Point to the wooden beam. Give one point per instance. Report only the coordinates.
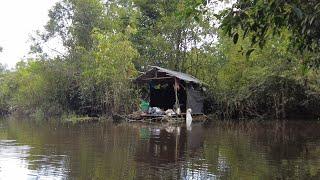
(157, 78)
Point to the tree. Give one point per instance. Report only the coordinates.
(260, 19)
(74, 20)
(164, 37)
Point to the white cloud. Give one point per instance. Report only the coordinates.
(18, 20)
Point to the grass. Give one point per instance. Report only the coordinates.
(74, 119)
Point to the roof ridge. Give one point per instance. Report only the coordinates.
(179, 74)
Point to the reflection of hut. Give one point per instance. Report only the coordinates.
(171, 155)
(171, 89)
(162, 146)
(161, 156)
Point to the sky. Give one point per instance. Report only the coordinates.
(18, 20)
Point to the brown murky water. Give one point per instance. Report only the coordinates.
(222, 150)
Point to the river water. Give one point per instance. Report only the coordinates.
(221, 150)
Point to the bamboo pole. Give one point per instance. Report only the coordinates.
(177, 105)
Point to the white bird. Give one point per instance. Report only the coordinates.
(188, 119)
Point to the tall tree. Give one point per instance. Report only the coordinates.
(163, 37)
(74, 20)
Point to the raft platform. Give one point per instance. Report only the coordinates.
(134, 117)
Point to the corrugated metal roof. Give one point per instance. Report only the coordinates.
(179, 75)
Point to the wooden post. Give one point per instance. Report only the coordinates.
(176, 93)
(177, 145)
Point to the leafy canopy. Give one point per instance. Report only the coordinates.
(260, 19)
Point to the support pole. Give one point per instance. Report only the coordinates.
(176, 86)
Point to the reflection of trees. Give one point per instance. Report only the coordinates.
(88, 151)
(108, 151)
(250, 150)
(294, 149)
(105, 152)
(26, 154)
(172, 154)
(266, 150)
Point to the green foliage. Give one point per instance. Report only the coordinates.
(107, 43)
(6, 89)
(164, 37)
(113, 70)
(39, 87)
(73, 21)
(261, 19)
(242, 84)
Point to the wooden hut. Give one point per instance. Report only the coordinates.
(171, 89)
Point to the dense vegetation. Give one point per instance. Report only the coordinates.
(247, 56)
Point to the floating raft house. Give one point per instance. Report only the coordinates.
(170, 89)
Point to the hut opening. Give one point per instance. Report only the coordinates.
(169, 89)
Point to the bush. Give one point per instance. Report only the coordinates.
(275, 97)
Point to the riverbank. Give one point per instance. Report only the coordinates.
(273, 98)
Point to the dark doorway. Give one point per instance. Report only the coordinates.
(162, 95)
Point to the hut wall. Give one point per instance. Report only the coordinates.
(195, 100)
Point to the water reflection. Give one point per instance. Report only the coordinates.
(224, 150)
(171, 149)
(16, 162)
(13, 160)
